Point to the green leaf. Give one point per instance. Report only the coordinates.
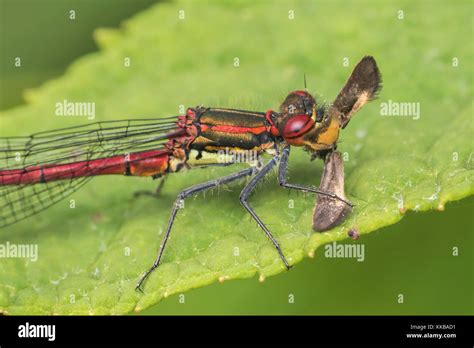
(90, 257)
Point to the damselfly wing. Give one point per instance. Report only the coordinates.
(40, 170)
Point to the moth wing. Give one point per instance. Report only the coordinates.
(361, 87)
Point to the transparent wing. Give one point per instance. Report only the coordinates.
(19, 202)
(74, 144)
(79, 143)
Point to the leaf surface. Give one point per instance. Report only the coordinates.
(90, 257)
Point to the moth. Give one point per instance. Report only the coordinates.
(361, 87)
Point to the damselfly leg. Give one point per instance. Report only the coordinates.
(177, 205)
(243, 200)
(282, 179)
(244, 195)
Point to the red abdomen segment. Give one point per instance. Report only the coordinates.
(147, 163)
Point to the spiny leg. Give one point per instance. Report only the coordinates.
(177, 205)
(162, 180)
(243, 200)
(285, 154)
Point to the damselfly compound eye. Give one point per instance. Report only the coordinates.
(297, 126)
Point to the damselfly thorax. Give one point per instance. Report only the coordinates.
(222, 137)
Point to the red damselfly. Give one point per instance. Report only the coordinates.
(39, 170)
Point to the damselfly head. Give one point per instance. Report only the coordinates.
(298, 102)
(302, 123)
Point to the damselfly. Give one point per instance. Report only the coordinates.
(40, 170)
